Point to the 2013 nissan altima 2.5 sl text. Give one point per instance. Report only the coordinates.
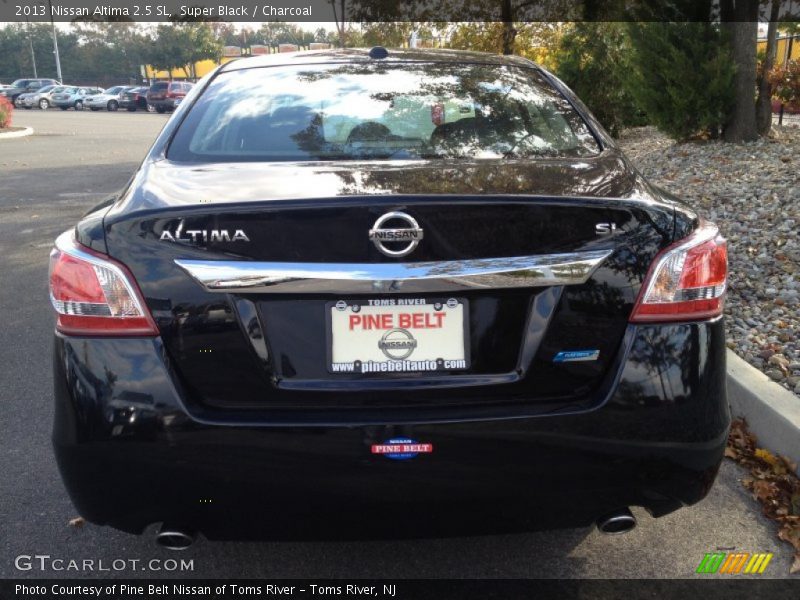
(371, 292)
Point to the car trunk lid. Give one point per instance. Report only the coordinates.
(528, 339)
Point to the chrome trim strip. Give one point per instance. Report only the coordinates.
(422, 277)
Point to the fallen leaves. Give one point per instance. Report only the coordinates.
(773, 483)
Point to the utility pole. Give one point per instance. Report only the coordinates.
(30, 43)
(55, 43)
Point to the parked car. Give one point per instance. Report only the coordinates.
(73, 97)
(108, 99)
(41, 98)
(372, 292)
(22, 86)
(134, 98)
(162, 94)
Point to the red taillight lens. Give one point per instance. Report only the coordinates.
(687, 280)
(95, 295)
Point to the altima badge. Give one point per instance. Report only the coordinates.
(192, 236)
(394, 235)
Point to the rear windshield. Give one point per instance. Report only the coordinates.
(157, 87)
(380, 111)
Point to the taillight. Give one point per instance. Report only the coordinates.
(95, 295)
(687, 281)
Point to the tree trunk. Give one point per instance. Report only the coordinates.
(339, 26)
(509, 32)
(342, 39)
(741, 126)
(764, 101)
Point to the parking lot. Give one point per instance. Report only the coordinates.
(73, 161)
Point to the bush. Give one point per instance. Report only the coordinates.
(785, 81)
(6, 108)
(591, 59)
(681, 75)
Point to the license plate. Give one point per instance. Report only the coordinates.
(397, 335)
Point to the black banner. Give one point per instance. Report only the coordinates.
(257, 11)
(463, 589)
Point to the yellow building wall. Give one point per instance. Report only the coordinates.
(782, 46)
(203, 67)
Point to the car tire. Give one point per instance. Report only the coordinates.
(113, 105)
(79, 105)
(151, 108)
(161, 110)
(44, 104)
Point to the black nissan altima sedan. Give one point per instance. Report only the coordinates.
(371, 292)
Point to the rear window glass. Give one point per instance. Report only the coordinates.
(380, 111)
(157, 87)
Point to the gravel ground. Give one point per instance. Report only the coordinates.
(752, 191)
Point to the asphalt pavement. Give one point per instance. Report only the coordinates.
(47, 181)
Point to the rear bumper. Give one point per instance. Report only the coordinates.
(168, 103)
(131, 453)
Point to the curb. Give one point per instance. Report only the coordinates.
(772, 412)
(17, 134)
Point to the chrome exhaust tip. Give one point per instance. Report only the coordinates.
(621, 521)
(173, 538)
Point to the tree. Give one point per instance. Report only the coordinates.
(389, 34)
(681, 76)
(15, 51)
(785, 81)
(168, 50)
(592, 58)
(740, 18)
(764, 101)
(324, 36)
(203, 45)
(181, 45)
(339, 18)
(537, 41)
